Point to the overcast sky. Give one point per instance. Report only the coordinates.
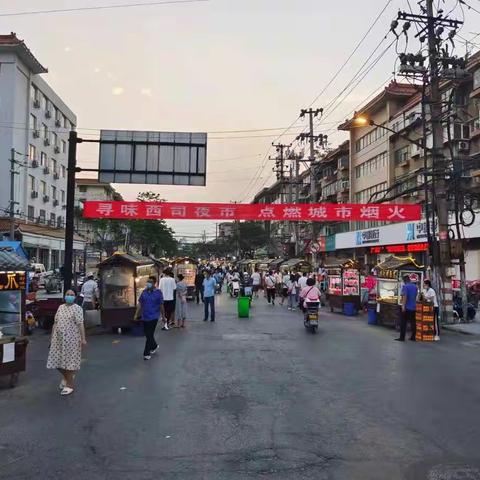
(211, 66)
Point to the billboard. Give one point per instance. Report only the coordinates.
(257, 211)
(157, 158)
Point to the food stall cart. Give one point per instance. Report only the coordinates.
(122, 280)
(275, 264)
(188, 268)
(390, 275)
(344, 285)
(13, 284)
(296, 265)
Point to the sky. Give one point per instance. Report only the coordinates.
(213, 66)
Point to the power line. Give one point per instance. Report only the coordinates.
(98, 7)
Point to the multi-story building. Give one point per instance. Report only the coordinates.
(90, 189)
(35, 122)
(226, 230)
(371, 172)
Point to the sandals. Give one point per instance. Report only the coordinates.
(66, 391)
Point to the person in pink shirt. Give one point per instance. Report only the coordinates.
(309, 293)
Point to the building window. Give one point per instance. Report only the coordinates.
(54, 192)
(53, 139)
(34, 93)
(43, 187)
(371, 166)
(371, 137)
(45, 131)
(54, 166)
(82, 188)
(31, 213)
(33, 122)
(65, 123)
(52, 219)
(42, 216)
(43, 159)
(63, 197)
(476, 79)
(44, 102)
(32, 152)
(364, 195)
(64, 171)
(64, 146)
(59, 222)
(402, 155)
(32, 183)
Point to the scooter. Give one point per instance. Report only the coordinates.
(310, 319)
(234, 288)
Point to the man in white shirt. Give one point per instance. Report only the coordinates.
(89, 293)
(256, 281)
(430, 295)
(270, 284)
(302, 281)
(168, 286)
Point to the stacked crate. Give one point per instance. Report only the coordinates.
(425, 319)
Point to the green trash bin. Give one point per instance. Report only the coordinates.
(243, 304)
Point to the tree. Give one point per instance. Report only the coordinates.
(250, 236)
(152, 236)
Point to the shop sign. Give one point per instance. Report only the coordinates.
(405, 248)
(330, 243)
(13, 281)
(367, 236)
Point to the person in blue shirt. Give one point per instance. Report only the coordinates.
(209, 295)
(409, 304)
(150, 308)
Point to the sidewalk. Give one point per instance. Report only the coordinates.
(465, 328)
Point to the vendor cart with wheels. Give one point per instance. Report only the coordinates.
(13, 354)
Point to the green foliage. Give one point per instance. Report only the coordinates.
(250, 236)
(152, 236)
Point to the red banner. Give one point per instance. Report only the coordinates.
(321, 212)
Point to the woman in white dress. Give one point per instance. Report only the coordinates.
(68, 339)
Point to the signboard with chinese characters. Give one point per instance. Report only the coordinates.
(261, 212)
(13, 280)
(404, 248)
(368, 236)
(158, 158)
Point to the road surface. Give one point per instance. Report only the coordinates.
(256, 398)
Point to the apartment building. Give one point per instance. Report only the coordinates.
(90, 189)
(371, 172)
(35, 122)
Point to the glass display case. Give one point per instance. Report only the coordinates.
(11, 321)
(344, 285)
(123, 278)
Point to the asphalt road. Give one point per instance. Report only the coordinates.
(256, 398)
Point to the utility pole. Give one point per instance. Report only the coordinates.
(12, 194)
(431, 30)
(313, 139)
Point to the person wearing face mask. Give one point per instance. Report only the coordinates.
(68, 339)
(150, 309)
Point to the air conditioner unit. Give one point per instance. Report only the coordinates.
(404, 163)
(414, 193)
(34, 163)
(36, 134)
(464, 146)
(416, 150)
(55, 203)
(56, 149)
(48, 114)
(46, 142)
(58, 123)
(56, 176)
(46, 198)
(46, 170)
(36, 103)
(34, 194)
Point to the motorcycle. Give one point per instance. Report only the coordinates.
(234, 288)
(310, 319)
